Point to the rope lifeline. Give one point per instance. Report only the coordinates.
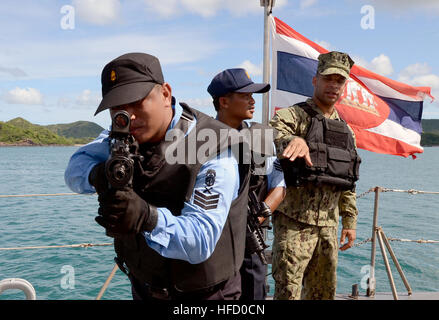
(410, 191)
(396, 239)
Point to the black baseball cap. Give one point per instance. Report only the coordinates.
(129, 78)
(234, 80)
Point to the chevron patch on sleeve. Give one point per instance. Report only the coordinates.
(207, 202)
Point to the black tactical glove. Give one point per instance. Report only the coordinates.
(98, 179)
(122, 211)
(264, 210)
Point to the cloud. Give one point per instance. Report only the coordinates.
(64, 102)
(420, 75)
(381, 64)
(428, 80)
(88, 98)
(414, 70)
(15, 72)
(199, 102)
(205, 8)
(163, 8)
(359, 61)
(431, 6)
(28, 96)
(307, 3)
(99, 12)
(251, 68)
(66, 56)
(325, 45)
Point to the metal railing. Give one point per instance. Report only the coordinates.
(377, 233)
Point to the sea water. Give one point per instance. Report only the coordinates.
(79, 273)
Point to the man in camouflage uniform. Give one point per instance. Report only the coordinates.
(305, 248)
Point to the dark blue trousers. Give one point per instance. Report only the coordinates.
(253, 278)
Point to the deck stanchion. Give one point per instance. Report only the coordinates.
(386, 262)
(397, 265)
(372, 281)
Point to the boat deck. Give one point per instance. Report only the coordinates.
(386, 296)
(389, 296)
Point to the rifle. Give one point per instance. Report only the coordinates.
(119, 167)
(255, 236)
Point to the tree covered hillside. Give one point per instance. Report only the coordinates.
(19, 131)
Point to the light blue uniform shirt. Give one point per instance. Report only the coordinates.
(191, 236)
(275, 175)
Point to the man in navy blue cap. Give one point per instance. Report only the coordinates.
(232, 91)
(178, 229)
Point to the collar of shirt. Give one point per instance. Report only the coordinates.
(240, 126)
(178, 111)
(313, 105)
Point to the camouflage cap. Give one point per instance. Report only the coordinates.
(335, 62)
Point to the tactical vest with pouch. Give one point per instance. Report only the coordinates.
(171, 185)
(332, 152)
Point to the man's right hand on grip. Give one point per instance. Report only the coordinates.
(98, 178)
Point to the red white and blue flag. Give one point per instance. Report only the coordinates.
(384, 114)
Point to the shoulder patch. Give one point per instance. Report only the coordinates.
(210, 177)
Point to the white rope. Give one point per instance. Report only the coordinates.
(397, 239)
(411, 191)
(364, 193)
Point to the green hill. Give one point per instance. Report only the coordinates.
(430, 125)
(430, 132)
(19, 131)
(82, 130)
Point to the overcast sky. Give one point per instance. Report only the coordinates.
(51, 60)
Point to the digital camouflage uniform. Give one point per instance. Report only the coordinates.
(305, 246)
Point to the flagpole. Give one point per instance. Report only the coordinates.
(268, 6)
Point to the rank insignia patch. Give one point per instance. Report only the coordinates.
(206, 202)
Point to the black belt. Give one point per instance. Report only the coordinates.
(146, 291)
(155, 293)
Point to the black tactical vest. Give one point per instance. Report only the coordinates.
(170, 185)
(261, 148)
(332, 151)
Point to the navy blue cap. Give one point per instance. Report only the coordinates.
(129, 78)
(234, 80)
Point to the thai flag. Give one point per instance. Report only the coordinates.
(384, 114)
